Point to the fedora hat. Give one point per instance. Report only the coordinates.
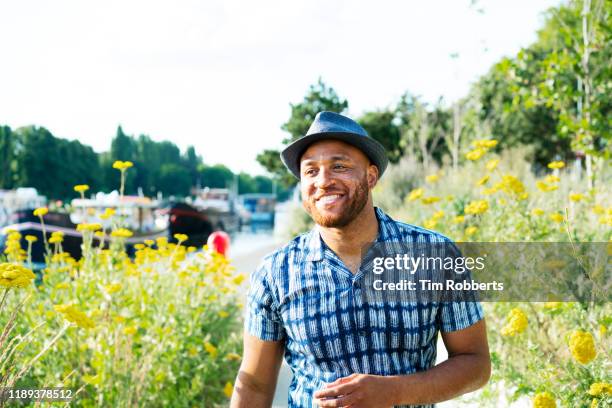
(331, 125)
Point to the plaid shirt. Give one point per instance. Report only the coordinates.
(304, 294)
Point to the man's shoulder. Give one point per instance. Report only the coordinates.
(292, 251)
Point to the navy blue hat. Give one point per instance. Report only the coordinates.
(331, 125)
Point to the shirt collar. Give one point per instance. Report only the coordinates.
(314, 242)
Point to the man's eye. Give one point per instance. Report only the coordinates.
(339, 166)
(310, 172)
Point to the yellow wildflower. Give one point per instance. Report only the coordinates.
(62, 285)
(544, 400)
(74, 315)
(233, 357)
(81, 188)
(31, 238)
(112, 288)
(552, 305)
(542, 186)
(430, 223)
(537, 212)
(484, 143)
(602, 330)
(492, 164)
(556, 165)
(598, 209)
(40, 212)
(122, 165)
(582, 346)
(557, 217)
(458, 219)
(432, 178)
(477, 207)
(471, 230)
(415, 194)
(223, 314)
(149, 242)
(576, 197)
(552, 179)
(512, 184)
(517, 323)
(130, 330)
(430, 200)
(600, 389)
(238, 279)
(122, 233)
(437, 215)
(89, 227)
(181, 237)
(594, 403)
(211, 349)
(475, 154)
(15, 276)
(228, 389)
(483, 180)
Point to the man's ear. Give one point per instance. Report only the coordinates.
(372, 176)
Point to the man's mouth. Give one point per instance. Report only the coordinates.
(329, 199)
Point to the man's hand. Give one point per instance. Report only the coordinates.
(356, 391)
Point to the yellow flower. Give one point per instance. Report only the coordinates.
(556, 165)
(477, 207)
(459, 219)
(598, 209)
(122, 233)
(228, 389)
(492, 164)
(517, 323)
(112, 288)
(471, 230)
(238, 279)
(552, 179)
(15, 276)
(537, 212)
(582, 346)
(600, 389)
(437, 215)
(542, 186)
(31, 238)
(81, 188)
(89, 227)
(40, 212)
(149, 242)
(512, 184)
(415, 194)
(430, 224)
(56, 239)
(432, 178)
(594, 403)
(74, 315)
(602, 330)
(62, 285)
(211, 349)
(233, 357)
(544, 400)
(483, 180)
(181, 237)
(475, 154)
(576, 197)
(130, 330)
(223, 314)
(484, 143)
(556, 217)
(122, 165)
(430, 200)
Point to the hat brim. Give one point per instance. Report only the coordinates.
(291, 155)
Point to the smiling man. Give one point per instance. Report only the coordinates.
(306, 300)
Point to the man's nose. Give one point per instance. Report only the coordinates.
(324, 179)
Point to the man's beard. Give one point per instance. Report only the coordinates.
(349, 213)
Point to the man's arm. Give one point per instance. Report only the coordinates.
(468, 368)
(258, 373)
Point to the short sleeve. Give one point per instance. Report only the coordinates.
(463, 312)
(263, 318)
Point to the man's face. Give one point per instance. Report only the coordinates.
(336, 179)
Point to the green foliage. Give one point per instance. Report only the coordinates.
(381, 126)
(319, 98)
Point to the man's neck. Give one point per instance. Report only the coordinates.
(349, 241)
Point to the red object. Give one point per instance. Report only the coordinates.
(219, 241)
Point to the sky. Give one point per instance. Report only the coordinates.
(220, 75)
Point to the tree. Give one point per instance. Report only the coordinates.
(174, 179)
(217, 176)
(8, 145)
(319, 98)
(381, 126)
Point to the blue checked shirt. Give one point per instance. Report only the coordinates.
(304, 295)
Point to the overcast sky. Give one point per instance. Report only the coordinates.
(219, 75)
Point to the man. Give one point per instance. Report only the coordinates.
(306, 299)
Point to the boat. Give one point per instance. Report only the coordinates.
(140, 215)
(261, 208)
